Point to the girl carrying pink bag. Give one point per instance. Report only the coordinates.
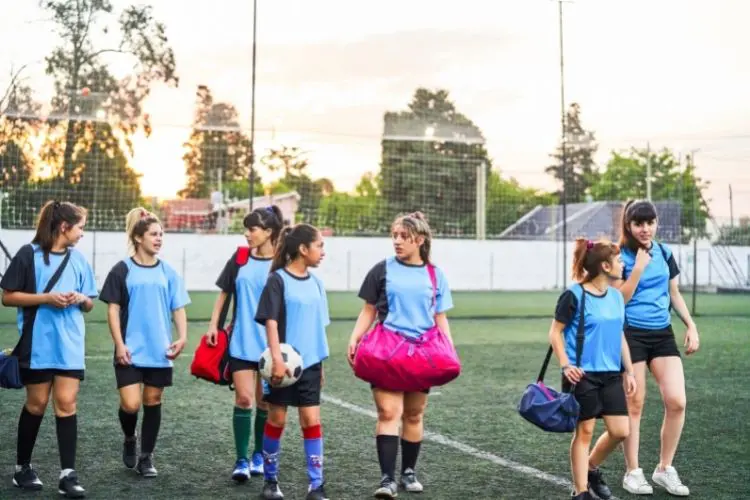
(410, 349)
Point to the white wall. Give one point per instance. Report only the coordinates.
(469, 264)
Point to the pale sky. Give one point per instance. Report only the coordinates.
(661, 72)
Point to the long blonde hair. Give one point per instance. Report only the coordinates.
(136, 224)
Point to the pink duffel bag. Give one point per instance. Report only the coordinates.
(395, 362)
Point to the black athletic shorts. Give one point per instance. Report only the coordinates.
(305, 392)
(30, 376)
(237, 365)
(599, 394)
(154, 377)
(426, 391)
(645, 345)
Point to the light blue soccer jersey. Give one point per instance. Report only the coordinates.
(649, 307)
(147, 295)
(248, 336)
(57, 336)
(403, 296)
(300, 307)
(604, 319)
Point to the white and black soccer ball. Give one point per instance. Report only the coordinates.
(293, 361)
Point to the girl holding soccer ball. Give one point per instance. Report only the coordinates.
(294, 310)
(52, 285)
(262, 229)
(398, 292)
(144, 294)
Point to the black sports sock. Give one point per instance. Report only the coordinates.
(387, 453)
(409, 454)
(67, 440)
(150, 428)
(28, 430)
(128, 421)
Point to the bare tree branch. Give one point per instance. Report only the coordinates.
(11, 86)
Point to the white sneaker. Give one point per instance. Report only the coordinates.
(670, 481)
(635, 482)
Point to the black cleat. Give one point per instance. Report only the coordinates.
(26, 479)
(145, 466)
(69, 487)
(388, 488)
(318, 493)
(271, 490)
(129, 455)
(597, 486)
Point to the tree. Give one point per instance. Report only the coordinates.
(289, 160)
(354, 214)
(217, 148)
(429, 161)
(736, 235)
(508, 201)
(580, 147)
(90, 35)
(625, 177)
(293, 163)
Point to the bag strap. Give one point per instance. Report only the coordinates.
(580, 334)
(433, 280)
(56, 277)
(242, 256)
(50, 285)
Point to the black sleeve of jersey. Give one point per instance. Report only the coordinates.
(271, 301)
(114, 289)
(19, 276)
(566, 307)
(674, 269)
(373, 287)
(225, 282)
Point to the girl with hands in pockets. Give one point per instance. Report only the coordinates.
(596, 380)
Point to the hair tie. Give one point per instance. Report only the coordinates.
(55, 204)
(589, 244)
(144, 214)
(269, 210)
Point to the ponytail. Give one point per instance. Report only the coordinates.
(281, 254)
(588, 257)
(137, 223)
(51, 218)
(416, 225)
(290, 240)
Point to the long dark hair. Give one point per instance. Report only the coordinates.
(266, 218)
(51, 218)
(637, 211)
(290, 239)
(588, 257)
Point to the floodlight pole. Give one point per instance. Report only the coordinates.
(564, 149)
(251, 174)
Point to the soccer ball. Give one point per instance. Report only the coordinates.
(292, 359)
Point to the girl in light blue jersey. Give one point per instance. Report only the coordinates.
(596, 379)
(651, 289)
(294, 309)
(398, 292)
(262, 229)
(51, 346)
(144, 294)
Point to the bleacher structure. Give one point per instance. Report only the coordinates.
(597, 219)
